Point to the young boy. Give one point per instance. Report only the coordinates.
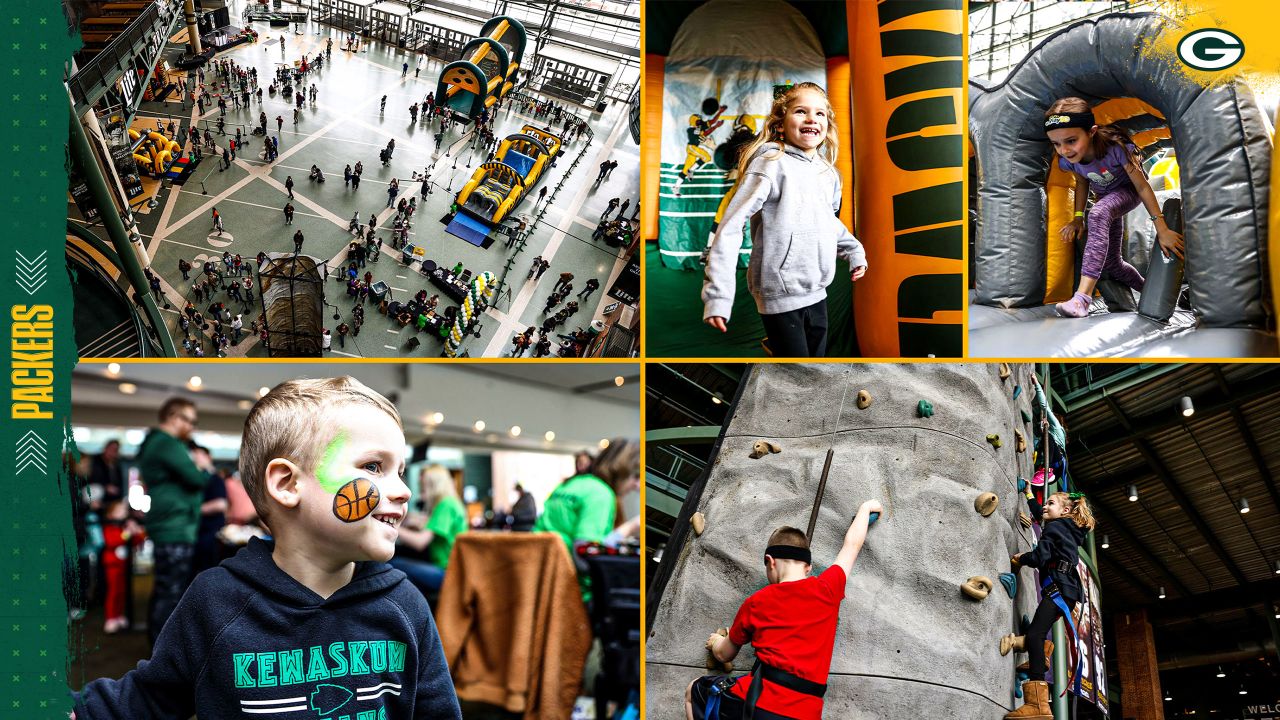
(791, 622)
(314, 624)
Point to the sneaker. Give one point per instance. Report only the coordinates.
(1077, 306)
(111, 626)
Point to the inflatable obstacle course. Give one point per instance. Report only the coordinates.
(497, 186)
(154, 152)
(1209, 147)
(486, 70)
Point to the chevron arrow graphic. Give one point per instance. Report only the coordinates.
(32, 273)
(31, 452)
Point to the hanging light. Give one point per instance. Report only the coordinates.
(1243, 691)
(1278, 567)
(1106, 542)
(479, 426)
(1187, 408)
(113, 369)
(1243, 505)
(1161, 592)
(515, 431)
(1221, 674)
(549, 435)
(1133, 493)
(1168, 696)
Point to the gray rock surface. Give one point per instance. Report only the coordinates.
(909, 643)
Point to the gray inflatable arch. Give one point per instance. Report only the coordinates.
(1224, 157)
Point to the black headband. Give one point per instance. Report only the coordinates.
(1060, 120)
(789, 552)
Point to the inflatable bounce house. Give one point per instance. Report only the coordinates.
(894, 73)
(926, 606)
(1208, 154)
(498, 185)
(486, 70)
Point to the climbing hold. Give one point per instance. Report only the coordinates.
(864, 399)
(1019, 441)
(773, 446)
(977, 587)
(1022, 484)
(1017, 390)
(1026, 416)
(1017, 686)
(1010, 583)
(924, 409)
(1025, 666)
(1025, 520)
(698, 522)
(872, 518)
(759, 449)
(994, 439)
(986, 503)
(1004, 371)
(1017, 643)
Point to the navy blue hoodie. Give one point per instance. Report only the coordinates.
(248, 640)
(1058, 552)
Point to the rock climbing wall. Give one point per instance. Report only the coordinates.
(909, 642)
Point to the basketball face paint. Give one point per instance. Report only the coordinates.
(353, 500)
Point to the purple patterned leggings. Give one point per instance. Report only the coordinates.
(1106, 230)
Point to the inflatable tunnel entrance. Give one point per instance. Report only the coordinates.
(1223, 150)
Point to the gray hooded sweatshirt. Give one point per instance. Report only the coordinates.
(791, 200)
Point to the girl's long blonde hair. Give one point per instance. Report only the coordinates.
(1080, 512)
(437, 483)
(828, 150)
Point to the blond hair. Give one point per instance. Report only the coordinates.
(295, 421)
(828, 149)
(1079, 509)
(787, 535)
(437, 483)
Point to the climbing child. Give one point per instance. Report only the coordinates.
(1104, 160)
(1065, 521)
(791, 623)
(789, 192)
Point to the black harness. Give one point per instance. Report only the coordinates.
(761, 672)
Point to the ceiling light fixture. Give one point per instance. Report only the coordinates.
(1187, 408)
(113, 369)
(515, 431)
(618, 381)
(479, 426)
(549, 435)
(1106, 542)
(1243, 505)
(1133, 493)
(1161, 592)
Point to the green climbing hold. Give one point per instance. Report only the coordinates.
(994, 439)
(924, 409)
(1017, 390)
(1026, 416)
(1022, 484)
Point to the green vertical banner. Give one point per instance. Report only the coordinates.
(37, 540)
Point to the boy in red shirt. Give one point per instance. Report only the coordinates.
(791, 623)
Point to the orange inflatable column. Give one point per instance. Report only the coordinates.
(651, 145)
(838, 91)
(909, 133)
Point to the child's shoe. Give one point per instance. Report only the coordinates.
(1036, 705)
(1077, 306)
(111, 626)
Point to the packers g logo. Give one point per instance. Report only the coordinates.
(1210, 49)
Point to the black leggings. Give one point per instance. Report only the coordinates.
(1046, 614)
(798, 333)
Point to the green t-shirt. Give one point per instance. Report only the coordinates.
(448, 518)
(582, 508)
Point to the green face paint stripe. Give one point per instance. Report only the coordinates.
(329, 471)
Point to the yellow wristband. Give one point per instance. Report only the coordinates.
(1079, 213)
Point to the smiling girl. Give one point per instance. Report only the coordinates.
(789, 191)
(1104, 160)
